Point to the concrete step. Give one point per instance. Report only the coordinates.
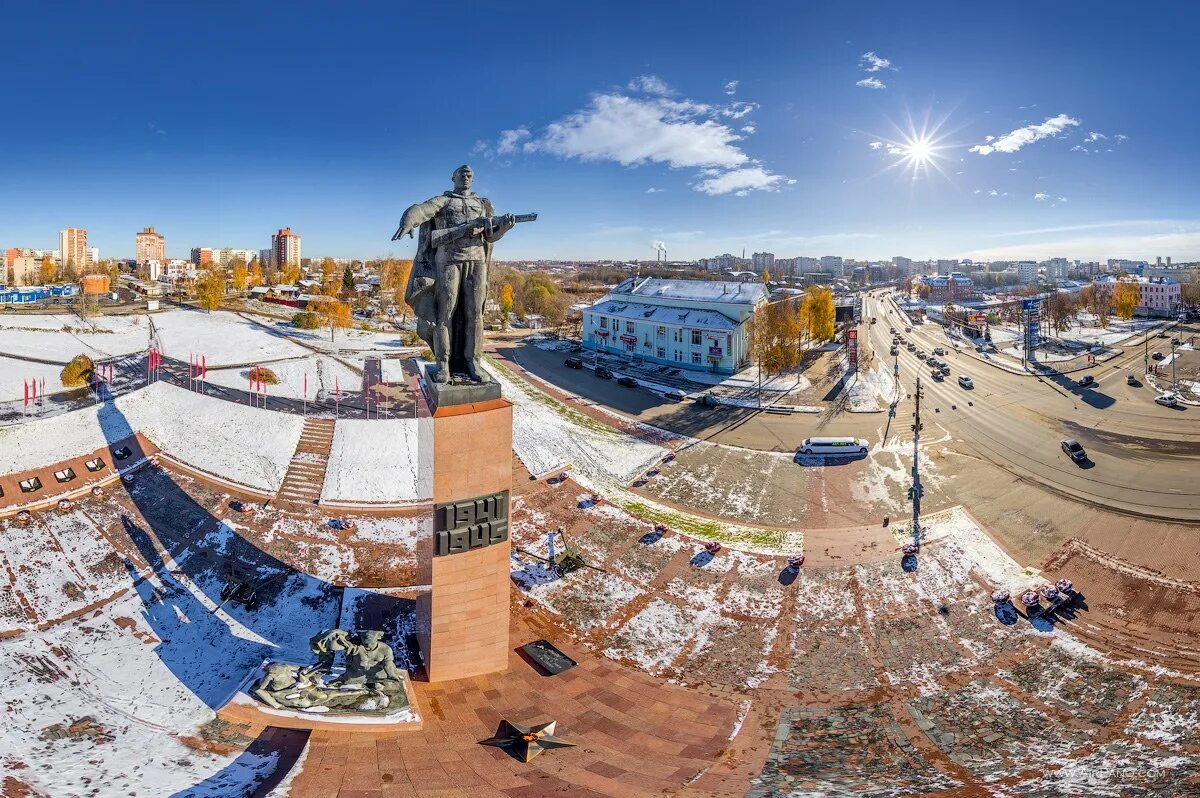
(305, 476)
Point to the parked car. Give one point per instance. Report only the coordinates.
(573, 363)
(674, 395)
(627, 381)
(1162, 334)
(1087, 380)
(1074, 450)
(1131, 380)
(939, 351)
(604, 373)
(965, 382)
(908, 329)
(1167, 399)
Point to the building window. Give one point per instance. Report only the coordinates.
(695, 358)
(662, 331)
(660, 353)
(678, 335)
(604, 322)
(678, 356)
(629, 328)
(696, 338)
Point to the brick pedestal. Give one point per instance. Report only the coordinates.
(466, 450)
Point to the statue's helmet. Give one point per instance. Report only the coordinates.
(465, 168)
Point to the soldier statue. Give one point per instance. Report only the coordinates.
(449, 279)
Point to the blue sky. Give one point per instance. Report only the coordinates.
(622, 125)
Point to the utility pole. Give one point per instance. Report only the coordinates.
(916, 491)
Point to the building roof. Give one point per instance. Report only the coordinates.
(658, 314)
(748, 293)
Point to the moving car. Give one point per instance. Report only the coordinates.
(627, 381)
(1167, 399)
(912, 347)
(895, 350)
(573, 363)
(1131, 380)
(939, 351)
(834, 446)
(1156, 356)
(965, 382)
(1086, 380)
(908, 329)
(604, 373)
(1074, 450)
(921, 355)
(674, 395)
(937, 375)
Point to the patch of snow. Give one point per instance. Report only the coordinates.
(375, 461)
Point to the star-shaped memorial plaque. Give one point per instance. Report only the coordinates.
(526, 742)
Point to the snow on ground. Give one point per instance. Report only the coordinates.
(871, 390)
(375, 461)
(955, 525)
(548, 434)
(322, 372)
(222, 337)
(393, 369)
(60, 338)
(657, 634)
(252, 447)
(14, 373)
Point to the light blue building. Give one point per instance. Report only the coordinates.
(692, 324)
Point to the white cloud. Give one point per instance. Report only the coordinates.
(993, 193)
(1080, 148)
(1016, 139)
(871, 83)
(653, 190)
(976, 191)
(731, 87)
(872, 62)
(1062, 199)
(1094, 136)
(989, 138)
(742, 181)
(896, 149)
(509, 139)
(1121, 137)
(1041, 196)
(875, 145)
(680, 133)
(650, 84)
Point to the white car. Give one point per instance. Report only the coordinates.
(965, 382)
(1167, 399)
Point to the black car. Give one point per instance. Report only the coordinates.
(604, 373)
(1074, 450)
(627, 381)
(573, 363)
(1156, 356)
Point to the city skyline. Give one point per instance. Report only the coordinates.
(1053, 139)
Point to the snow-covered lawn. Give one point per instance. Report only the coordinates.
(13, 373)
(871, 390)
(322, 372)
(222, 337)
(375, 461)
(60, 338)
(548, 434)
(393, 369)
(249, 446)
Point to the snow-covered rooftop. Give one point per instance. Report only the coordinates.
(660, 314)
(748, 293)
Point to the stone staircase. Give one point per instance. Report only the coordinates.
(306, 472)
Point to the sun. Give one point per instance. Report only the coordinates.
(916, 150)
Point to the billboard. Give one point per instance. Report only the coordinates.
(852, 348)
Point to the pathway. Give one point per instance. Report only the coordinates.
(306, 473)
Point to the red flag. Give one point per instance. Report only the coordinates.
(43, 386)
(337, 388)
(306, 385)
(27, 394)
(204, 366)
(34, 393)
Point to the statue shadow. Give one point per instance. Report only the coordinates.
(258, 770)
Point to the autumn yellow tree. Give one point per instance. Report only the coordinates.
(256, 275)
(291, 273)
(327, 269)
(333, 312)
(507, 302)
(210, 289)
(47, 270)
(818, 309)
(1125, 298)
(776, 335)
(766, 276)
(240, 275)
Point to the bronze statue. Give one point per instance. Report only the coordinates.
(449, 279)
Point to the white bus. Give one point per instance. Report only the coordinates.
(846, 446)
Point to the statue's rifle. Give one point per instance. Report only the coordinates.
(484, 225)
